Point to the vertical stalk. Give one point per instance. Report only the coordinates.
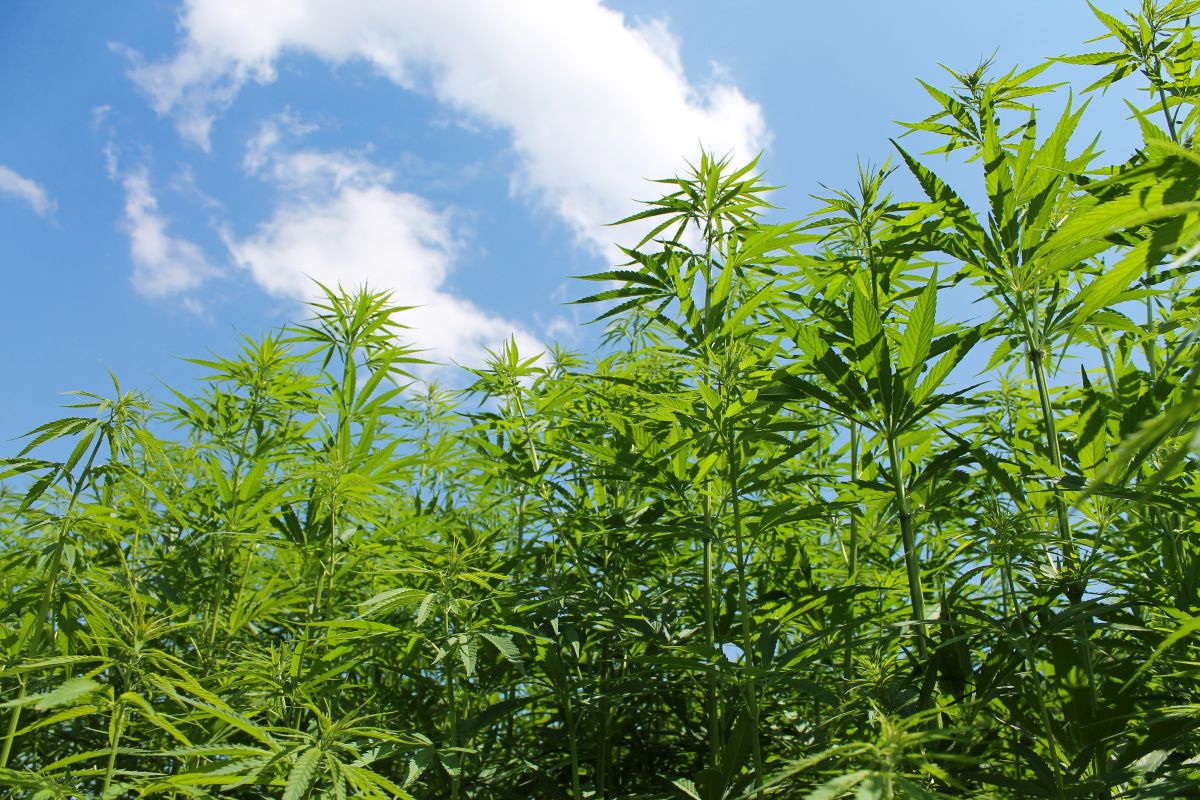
(116, 726)
(1036, 358)
(1150, 345)
(452, 701)
(710, 636)
(1026, 651)
(1074, 586)
(14, 719)
(543, 490)
(1162, 99)
(326, 561)
(751, 690)
(1034, 349)
(852, 556)
(601, 779)
(1108, 367)
(243, 579)
(331, 561)
(572, 744)
(911, 561)
(215, 602)
(514, 545)
(317, 608)
(343, 444)
(231, 518)
(518, 539)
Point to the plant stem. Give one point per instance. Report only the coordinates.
(911, 559)
(751, 691)
(1074, 585)
(852, 556)
(1150, 345)
(710, 638)
(1074, 590)
(14, 719)
(1027, 653)
(1108, 368)
(452, 702)
(572, 743)
(602, 728)
(116, 727)
(231, 520)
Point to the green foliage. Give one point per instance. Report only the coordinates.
(770, 541)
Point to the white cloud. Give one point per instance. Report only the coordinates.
(340, 223)
(163, 264)
(306, 169)
(592, 103)
(559, 328)
(100, 115)
(28, 190)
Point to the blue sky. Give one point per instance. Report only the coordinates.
(170, 173)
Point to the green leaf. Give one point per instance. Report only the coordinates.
(1105, 290)
(918, 333)
(944, 365)
(1120, 32)
(425, 607)
(957, 212)
(505, 645)
(836, 787)
(70, 691)
(304, 770)
(1093, 59)
(388, 601)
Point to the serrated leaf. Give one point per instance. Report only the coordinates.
(304, 770)
(388, 601)
(505, 645)
(70, 691)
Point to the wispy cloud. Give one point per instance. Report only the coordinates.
(269, 156)
(592, 103)
(28, 190)
(339, 221)
(163, 264)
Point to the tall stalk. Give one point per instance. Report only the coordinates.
(1075, 584)
(452, 703)
(604, 712)
(1036, 353)
(572, 743)
(711, 700)
(116, 727)
(852, 555)
(231, 516)
(750, 686)
(912, 562)
(1009, 592)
